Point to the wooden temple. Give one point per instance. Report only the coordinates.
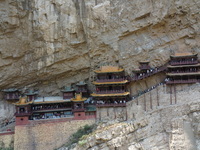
(183, 68)
(144, 65)
(32, 107)
(143, 71)
(68, 92)
(31, 95)
(11, 94)
(82, 88)
(110, 87)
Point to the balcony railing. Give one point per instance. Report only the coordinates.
(46, 109)
(23, 114)
(149, 73)
(11, 97)
(111, 105)
(78, 109)
(110, 80)
(182, 81)
(110, 91)
(183, 62)
(52, 109)
(186, 71)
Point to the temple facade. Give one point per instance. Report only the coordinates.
(110, 87)
(71, 105)
(183, 68)
(11, 94)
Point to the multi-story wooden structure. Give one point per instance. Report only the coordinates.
(33, 107)
(82, 88)
(183, 68)
(31, 95)
(68, 92)
(11, 94)
(110, 87)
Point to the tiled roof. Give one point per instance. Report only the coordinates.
(114, 94)
(117, 82)
(106, 69)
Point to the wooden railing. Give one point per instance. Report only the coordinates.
(78, 109)
(111, 105)
(148, 90)
(183, 62)
(50, 109)
(150, 73)
(110, 91)
(182, 81)
(23, 114)
(188, 71)
(11, 97)
(110, 80)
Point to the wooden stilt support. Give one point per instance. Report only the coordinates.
(107, 112)
(114, 112)
(137, 101)
(145, 103)
(175, 93)
(158, 104)
(170, 94)
(151, 101)
(99, 114)
(126, 114)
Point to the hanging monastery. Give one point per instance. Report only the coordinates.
(110, 91)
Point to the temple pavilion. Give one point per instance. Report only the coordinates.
(183, 68)
(110, 87)
(32, 107)
(11, 94)
(82, 88)
(143, 71)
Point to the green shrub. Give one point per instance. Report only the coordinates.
(80, 133)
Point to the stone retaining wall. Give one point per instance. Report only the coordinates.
(46, 135)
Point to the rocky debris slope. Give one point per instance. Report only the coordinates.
(48, 43)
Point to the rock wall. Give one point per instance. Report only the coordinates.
(7, 111)
(47, 44)
(169, 127)
(112, 113)
(45, 135)
(6, 140)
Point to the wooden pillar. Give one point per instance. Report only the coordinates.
(150, 100)
(99, 114)
(170, 94)
(126, 114)
(175, 93)
(158, 104)
(145, 102)
(114, 112)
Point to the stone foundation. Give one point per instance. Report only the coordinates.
(46, 134)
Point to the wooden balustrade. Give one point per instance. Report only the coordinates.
(110, 80)
(110, 91)
(183, 62)
(111, 105)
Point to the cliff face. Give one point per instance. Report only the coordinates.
(50, 43)
(166, 127)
